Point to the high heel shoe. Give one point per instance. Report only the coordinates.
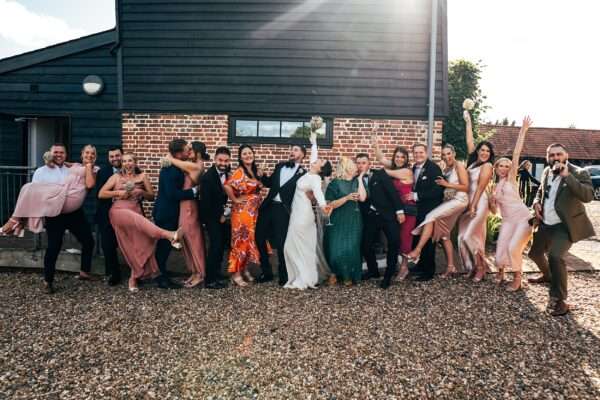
(412, 260)
(403, 274)
(176, 241)
(479, 275)
(248, 276)
(500, 277)
(239, 281)
(511, 287)
(132, 285)
(10, 227)
(450, 272)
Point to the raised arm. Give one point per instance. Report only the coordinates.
(192, 169)
(469, 132)
(512, 175)
(400, 174)
(386, 162)
(314, 151)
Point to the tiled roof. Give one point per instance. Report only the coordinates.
(581, 144)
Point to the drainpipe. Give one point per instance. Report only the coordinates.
(117, 48)
(432, 68)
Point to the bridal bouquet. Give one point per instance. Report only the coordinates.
(316, 123)
(468, 104)
(129, 186)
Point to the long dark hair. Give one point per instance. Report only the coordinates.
(474, 155)
(399, 149)
(326, 170)
(241, 163)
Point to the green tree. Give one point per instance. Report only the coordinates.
(463, 83)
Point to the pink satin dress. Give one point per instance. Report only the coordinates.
(136, 235)
(39, 199)
(445, 216)
(193, 239)
(410, 221)
(515, 230)
(472, 230)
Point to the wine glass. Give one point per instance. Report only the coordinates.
(327, 217)
(356, 208)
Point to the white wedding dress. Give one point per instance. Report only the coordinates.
(300, 248)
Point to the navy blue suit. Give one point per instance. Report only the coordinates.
(166, 209)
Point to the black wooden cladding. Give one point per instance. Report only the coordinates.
(94, 119)
(281, 57)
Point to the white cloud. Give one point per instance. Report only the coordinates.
(28, 30)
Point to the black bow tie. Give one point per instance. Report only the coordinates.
(290, 164)
(221, 174)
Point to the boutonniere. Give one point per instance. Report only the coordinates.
(300, 171)
(423, 177)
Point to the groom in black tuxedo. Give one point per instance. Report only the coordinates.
(428, 196)
(274, 213)
(107, 233)
(166, 207)
(212, 214)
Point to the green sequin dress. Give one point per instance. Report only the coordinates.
(342, 239)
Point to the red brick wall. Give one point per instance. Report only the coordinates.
(148, 135)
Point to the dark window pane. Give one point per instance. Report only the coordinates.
(292, 129)
(245, 128)
(268, 128)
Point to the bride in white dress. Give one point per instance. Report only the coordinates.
(301, 241)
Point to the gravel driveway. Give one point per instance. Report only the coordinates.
(442, 339)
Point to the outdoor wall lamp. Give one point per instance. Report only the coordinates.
(93, 85)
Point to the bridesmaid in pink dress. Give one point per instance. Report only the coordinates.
(398, 169)
(472, 225)
(193, 240)
(41, 199)
(136, 235)
(515, 230)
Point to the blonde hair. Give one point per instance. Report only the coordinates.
(344, 165)
(89, 146)
(128, 153)
(501, 159)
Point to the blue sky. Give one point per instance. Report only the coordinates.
(542, 55)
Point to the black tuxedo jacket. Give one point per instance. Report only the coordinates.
(212, 196)
(286, 192)
(170, 193)
(103, 205)
(382, 195)
(430, 194)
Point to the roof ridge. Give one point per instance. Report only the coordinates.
(57, 50)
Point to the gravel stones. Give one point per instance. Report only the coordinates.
(440, 339)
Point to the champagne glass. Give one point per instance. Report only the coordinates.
(327, 217)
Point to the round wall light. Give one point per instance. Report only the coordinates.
(93, 85)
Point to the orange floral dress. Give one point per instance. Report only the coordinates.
(243, 221)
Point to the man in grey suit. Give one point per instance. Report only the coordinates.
(559, 207)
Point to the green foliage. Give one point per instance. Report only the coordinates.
(463, 83)
(493, 229)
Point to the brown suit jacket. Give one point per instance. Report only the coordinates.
(574, 190)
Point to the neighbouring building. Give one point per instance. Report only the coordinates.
(229, 73)
(583, 145)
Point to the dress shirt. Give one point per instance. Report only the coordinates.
(46, 174)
